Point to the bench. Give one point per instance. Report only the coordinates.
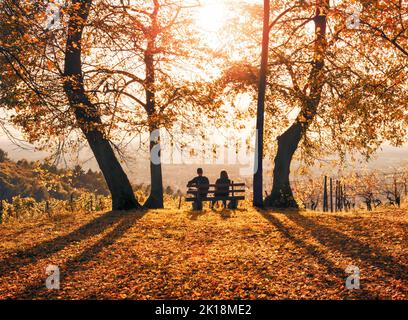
(236, 192)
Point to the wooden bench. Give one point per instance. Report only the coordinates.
(236, 192)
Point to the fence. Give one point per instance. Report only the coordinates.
(346, 193)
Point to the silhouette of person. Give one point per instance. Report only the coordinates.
(198, 181)
(222, 188)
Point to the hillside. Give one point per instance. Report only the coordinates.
(41, 181)
(244, 254)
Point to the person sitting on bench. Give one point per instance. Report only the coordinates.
(222, 188)
(200, 180)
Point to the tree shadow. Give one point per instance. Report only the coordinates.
(27, 229)
(310, 249)
(77, 263)
(49, 247)
(351, 247)
(314, 252)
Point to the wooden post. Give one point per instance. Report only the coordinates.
(336, 198)
(1, 211)
(325, 207)
(331, 194)
(179, 205)
(97, 208)
(344, 198)
(47, 207)
(71, 201)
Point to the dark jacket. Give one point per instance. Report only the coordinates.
(197, 181)
(222, 187)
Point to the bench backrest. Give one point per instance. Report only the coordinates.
(233, 188)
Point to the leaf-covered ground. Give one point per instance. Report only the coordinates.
(172, 254)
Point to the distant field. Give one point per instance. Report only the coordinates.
(242, 254)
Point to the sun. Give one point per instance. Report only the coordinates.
(210, 19)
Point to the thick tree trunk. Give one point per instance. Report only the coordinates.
(118, 183)
(87, 115)
(281, 195)
(155, 200)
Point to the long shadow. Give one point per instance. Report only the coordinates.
(49, 247)
(351, 247)
(316, 254)
(358, 224)
(310, 249)
(76, 264)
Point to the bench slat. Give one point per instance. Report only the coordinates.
(221, 185)
(216, 198)
(214, 191)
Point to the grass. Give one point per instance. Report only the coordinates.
(180, 254)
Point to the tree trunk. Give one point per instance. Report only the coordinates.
(281, 195)
(258, 174)
(331, 194)
(87, 115)
(155, 200)
(325, 202)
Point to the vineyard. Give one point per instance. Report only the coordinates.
(355, 191)
(20, 208)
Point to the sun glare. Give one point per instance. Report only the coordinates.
(210, 19)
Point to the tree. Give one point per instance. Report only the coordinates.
(149, 85)
(327, 92)
(43, 81)
(258, 179)
(281, 194)
(386, 21)
(87, 114)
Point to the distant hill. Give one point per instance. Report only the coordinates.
(42, 181)
(176, 175)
